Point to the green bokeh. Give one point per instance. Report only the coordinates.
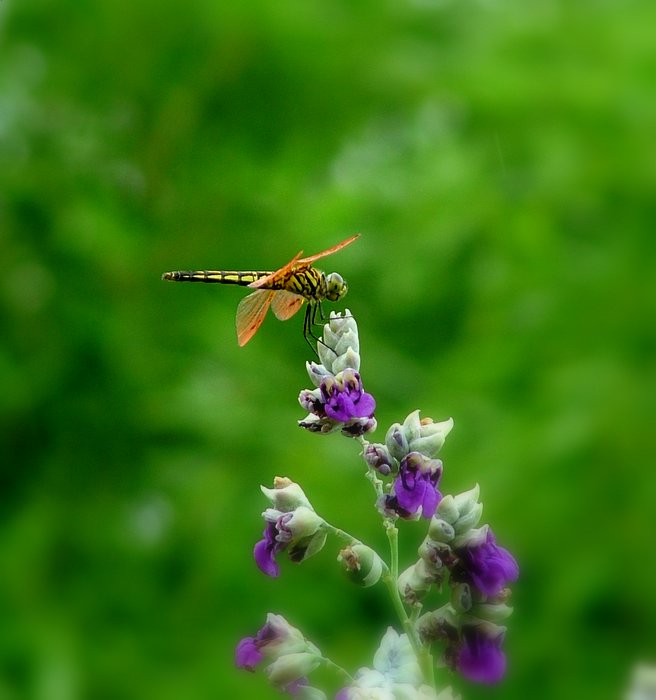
(498, 158)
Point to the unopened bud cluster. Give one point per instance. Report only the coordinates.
(338, 401)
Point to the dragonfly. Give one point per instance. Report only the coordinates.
(284, 290)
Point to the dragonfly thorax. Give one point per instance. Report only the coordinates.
(336, 286)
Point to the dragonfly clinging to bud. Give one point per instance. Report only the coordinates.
(284, 290)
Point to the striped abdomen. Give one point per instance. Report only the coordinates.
(242, 278)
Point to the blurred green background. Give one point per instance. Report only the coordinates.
(499, 160)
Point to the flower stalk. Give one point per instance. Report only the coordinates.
(457, 559)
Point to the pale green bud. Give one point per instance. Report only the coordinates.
(317, 373)
(283, 638)
(348, 341)
(466, 500)
(414, 583)
(440, 531)
(461, 597)
(286, 495)
(468, 521)
(307, 692)
(472, 538)
(396, 441)
(349, 359)
(492, 612)
(431, 436)
(362, 564)
(447, 510)
(326, 354)
(304, 522)
(412, 426)
(439, 624)
(290, 667)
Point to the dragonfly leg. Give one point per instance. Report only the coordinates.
(308, 322)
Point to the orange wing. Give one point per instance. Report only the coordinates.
(251, 312)
(278, 273)
(330, 251)
(298, 263)
(285, 304)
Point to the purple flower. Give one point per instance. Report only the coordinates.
(378, 457)
(276, 635)
(248, 655)
(480, 658)
(345, 399)
(299, 531)
(265, 551)
(292, 657)
(486, 566)
(415, 489)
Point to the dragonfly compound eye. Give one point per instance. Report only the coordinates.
(336, 287)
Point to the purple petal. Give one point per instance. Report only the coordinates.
(340, 408)
(481, 659)
(247, 654)
(489, 567)
(432, 497)
(366, 405)
(414, 491)
(265, 552)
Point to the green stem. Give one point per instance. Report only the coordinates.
(422, 653)
(338, 670)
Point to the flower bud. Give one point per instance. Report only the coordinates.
(440, 624)
(304, 522)
(447, 510)
(415, 582)
(492, 612)
(317, 373)
(286, 495)
(359, 426)
(290, 667)
(315, 424)
(307, 692)
(396, 441)
(348, 340)
(472, 538)
(310, 400)
(461, 597)
(326, 354)
(362, 565)
(349, 359)
(412, 425)
(439, 530)
(469, 520)
(378, 457)
(435, 554)
(430, 436)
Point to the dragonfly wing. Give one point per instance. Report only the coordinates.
(323, 253)
(250, 314)
(286, 304)
(283, 271)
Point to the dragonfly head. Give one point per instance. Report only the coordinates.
(336, 286)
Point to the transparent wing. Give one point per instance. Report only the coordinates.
(250, 314)
(278, 274)
(323, 253)
(286, 304)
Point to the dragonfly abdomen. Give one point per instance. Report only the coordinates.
(239, 277)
